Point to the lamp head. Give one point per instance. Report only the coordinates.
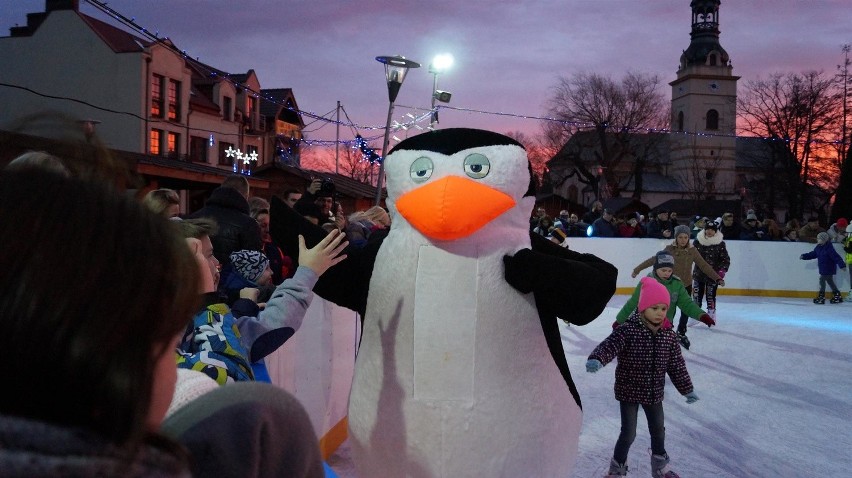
(396, 68)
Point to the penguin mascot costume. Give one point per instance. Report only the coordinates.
(461, 371)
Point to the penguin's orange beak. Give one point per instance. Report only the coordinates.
(452, 207)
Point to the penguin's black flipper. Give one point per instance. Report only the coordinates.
(565, 284)
(348, 282)
(574, 286)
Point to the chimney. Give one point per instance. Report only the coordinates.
(51, 5)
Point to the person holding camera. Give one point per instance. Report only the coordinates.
(317, 204)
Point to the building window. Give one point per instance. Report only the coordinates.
(174, 100)
(157, 96)
(224, 160)
(712, 120)
(680, 120)
(156, 142)
(172, 144)
(227, 106)
(252, 107)
(198, 149)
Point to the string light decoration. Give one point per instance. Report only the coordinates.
(408, 121)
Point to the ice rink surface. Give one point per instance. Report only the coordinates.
(774, 379)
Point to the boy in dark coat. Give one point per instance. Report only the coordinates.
(828, 260)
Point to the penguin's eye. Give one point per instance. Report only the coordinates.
(421, 169)
(476, 166)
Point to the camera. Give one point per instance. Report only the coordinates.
(327, 188)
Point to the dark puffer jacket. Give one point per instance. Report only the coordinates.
(237, 230)
(644, 358)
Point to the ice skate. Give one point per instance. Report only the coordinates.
(660, 467)
(684, 341)
(837, 298)
(616, 469)
(820, 298)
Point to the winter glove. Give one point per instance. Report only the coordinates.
(721, 273)
(706, 319)
(802, 257)
(615, 325)
(593, 365)
(691, 397)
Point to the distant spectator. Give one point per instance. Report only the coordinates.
(545, 224)
(791, 235)
(660, 227)
(163, 202)
(257, 203)
(674, 219)
(540, 212)
(229, 207)
(773, 231)
(729, 227)
(363, 224)
(317, 202)
(291, 196)
(630, 227)
(594, 213)
(697, 225)
(604, 225)
(837, 231)
(750, 229)
(809, 232)
(573, 227)
(282, 265)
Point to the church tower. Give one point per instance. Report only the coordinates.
(704, 111)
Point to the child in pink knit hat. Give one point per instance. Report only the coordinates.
(647, 349)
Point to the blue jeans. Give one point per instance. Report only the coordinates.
(629, 413)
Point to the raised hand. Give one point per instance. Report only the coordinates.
(325, 254)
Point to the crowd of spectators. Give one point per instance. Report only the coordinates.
(660, 224)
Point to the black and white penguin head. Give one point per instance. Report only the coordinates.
(450, 183)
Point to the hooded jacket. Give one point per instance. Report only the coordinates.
(236, 229)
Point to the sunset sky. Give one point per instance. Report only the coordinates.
(508, 54)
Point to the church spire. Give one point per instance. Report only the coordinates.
(704, 47)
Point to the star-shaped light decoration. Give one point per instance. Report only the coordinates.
(231, 152)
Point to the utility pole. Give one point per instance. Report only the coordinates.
(337, 143)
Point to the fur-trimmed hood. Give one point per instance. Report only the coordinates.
(709, 241)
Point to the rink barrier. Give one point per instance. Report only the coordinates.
(317, 363)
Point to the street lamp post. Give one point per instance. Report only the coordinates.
(396, 68)
(439, 64)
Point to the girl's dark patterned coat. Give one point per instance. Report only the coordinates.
(644, 358)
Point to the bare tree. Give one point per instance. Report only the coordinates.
(799, 113)
(538, 152)
(609, 115)
(351, 162)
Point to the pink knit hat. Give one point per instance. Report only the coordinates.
(652, 293)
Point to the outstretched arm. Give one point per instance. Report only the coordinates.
(346, 283)
(574, 286)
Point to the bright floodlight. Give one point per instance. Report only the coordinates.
(441, 62)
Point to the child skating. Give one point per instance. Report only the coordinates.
(663, 272)
(647, 349)
(828, 260)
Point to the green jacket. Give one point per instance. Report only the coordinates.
(681, 299)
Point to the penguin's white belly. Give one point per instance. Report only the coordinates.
(454, 377)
